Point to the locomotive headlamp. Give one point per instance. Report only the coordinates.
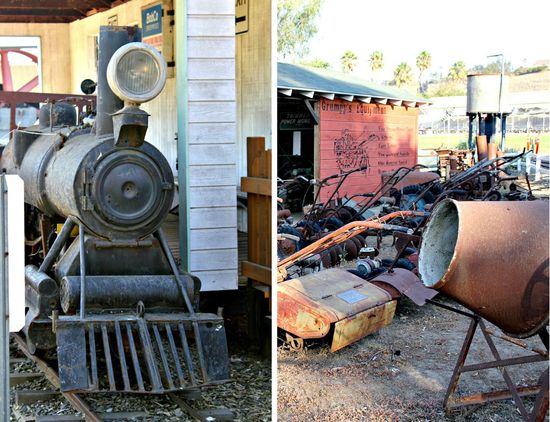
(136, 72)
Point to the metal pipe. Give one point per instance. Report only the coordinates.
(111, 38)
(491, 257)
(60, 240)
(82, 271)
(4, 313)
(183, 291)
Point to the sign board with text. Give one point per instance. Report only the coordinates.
(241, 16)
(157, 21)
(356, 134)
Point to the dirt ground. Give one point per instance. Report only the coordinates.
(400, 373)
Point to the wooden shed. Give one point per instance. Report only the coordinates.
(330, 122)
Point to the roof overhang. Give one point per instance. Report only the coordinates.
(317, 95)
(52, 11)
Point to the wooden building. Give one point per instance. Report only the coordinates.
(217, 94)
(330, 122)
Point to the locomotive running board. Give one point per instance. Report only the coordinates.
(153, 353)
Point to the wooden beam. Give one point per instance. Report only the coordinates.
(256, 272)
(346, 97)
(35, 19)
(308, 94)
(40, 12)
(327, 96)
(365, 99)
(287, 92)
(256, 185)
(381, 100)
(395, 102)
(54, 4)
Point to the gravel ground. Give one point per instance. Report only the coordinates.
(400, 373)
(248, 395)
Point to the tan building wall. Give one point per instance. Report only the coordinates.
(21, 74)
(56, 64)
(253, 76)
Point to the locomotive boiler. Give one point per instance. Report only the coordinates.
(103, 291)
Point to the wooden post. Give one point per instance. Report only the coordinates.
(257, 268)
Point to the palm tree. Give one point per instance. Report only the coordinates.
(376, 61)
(402, 75)
(457, 71)
(423, 62)
(348, 60)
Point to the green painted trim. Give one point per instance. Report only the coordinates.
(183, 118)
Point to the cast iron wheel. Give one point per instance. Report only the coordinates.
(294, 343)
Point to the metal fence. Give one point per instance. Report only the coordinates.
(4, 319)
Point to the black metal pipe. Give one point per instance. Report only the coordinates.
(58, 244)
(111, 38)
(82, 271)
(183, 291)
(120, 291)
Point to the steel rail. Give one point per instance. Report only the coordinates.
(77, 402)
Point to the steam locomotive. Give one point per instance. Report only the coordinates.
(103, 291)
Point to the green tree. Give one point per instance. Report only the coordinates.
(317, 63)
(402, 75)
(376, 61)
(296, 26)
(423, 62)
(493, 67)
(458, 72)
(348, 61)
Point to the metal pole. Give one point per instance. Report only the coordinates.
(82, 271)
(500, 96)
(4, 312)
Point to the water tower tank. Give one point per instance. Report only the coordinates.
(483, 93)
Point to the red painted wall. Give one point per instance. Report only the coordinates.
(354, 134)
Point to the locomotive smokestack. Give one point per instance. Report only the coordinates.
(111, 38)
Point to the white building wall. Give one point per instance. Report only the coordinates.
(212, 142)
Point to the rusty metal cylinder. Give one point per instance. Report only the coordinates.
(481, 142)
(491, 257)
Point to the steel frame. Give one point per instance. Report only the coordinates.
(540, 390)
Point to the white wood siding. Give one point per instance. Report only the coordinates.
(211, 142)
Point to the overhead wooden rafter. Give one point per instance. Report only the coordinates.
(51, 11)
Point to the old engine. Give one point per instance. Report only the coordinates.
(103, 290)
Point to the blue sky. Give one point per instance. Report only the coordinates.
(467, 30)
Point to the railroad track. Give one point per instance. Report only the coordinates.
(83, 409)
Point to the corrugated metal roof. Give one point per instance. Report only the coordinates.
(297, 80)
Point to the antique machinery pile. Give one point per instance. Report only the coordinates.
(104, 289)
(338, 305)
